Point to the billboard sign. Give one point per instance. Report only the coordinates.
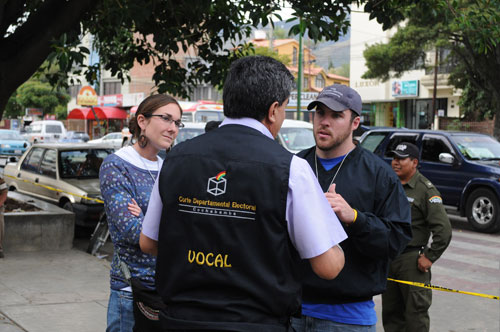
(401, 88)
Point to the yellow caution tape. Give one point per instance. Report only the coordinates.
(55, 189)
(444, 289)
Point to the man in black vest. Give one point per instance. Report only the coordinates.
(369, 200)
(228, 220)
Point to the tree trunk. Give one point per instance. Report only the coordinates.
(24, 51)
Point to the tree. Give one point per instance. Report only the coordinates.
(285, 59)
(470, 29)
(278, 33)
(36, 94)
(129, 31)
(344, 70)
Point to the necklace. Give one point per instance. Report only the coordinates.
(337, 172)
(147, 169)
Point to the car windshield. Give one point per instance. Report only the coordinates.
(297, 139)
(478, 147)
(188, 133)
(83, 163)
(11, 136)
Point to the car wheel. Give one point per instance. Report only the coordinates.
(483, 210)
(68, 206)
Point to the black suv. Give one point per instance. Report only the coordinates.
(465, 167)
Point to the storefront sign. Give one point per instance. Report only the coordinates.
(86, 97)
(404, 88)
(110, 100)
(305, 98)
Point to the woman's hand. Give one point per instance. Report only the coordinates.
(134, 208)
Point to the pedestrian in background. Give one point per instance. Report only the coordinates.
(405, 307)
(3, 198)
(126, 179)
(229, 219)
(370, 202)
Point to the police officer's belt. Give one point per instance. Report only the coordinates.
(412, 248)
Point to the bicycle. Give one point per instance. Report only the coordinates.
(99, 236)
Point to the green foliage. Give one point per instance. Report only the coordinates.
(126, 32)
(279, 33)
(343, 70)
(285, 59)
(155, 31)
(36, 94)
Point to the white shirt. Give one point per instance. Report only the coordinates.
(313, 227)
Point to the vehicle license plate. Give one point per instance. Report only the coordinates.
(18, 151)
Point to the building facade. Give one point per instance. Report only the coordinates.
(405, 101)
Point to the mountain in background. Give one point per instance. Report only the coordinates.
(334, 53)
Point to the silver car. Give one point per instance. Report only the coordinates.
(64, 174)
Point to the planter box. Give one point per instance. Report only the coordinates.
(51, 228)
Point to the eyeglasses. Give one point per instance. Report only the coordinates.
(168, 119)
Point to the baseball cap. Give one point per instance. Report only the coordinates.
(405, 150)
(338, 97)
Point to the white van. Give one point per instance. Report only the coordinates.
(45, 131)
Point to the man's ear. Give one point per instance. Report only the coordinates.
(272, 112)
(356, 122)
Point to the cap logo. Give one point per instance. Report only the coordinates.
(402, 147)
(332, 92)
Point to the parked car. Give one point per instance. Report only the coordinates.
(12, 144)
(75, 137)
(63, 174)
(114, 140)
(296, 135)
(463, 166)
(45, 131)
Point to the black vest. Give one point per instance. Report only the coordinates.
(225, 260)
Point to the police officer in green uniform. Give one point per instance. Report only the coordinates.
(404, 307)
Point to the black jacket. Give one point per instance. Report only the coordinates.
(225, 260)
(381, 231)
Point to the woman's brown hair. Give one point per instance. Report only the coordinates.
(147, 107)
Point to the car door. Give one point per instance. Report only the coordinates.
(48, 175)
(444, 176)
(29, 172)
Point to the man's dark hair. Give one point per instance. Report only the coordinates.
(211, 125)
(253, 84)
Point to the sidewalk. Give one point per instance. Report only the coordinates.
(55, 291)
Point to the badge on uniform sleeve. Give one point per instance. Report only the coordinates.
(436, 199)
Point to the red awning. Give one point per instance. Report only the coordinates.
(85, 113)
(113, 112)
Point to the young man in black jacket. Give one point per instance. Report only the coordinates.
(369, 200)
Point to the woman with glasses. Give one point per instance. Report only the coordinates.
(126, 179)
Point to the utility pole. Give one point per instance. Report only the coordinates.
(300, 73)
(434, 113)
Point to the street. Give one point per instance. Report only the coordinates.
(471, 263)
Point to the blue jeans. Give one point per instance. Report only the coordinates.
(120, 312)
(311, 324)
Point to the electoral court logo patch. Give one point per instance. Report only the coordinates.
(436, 199)
(217, 184)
